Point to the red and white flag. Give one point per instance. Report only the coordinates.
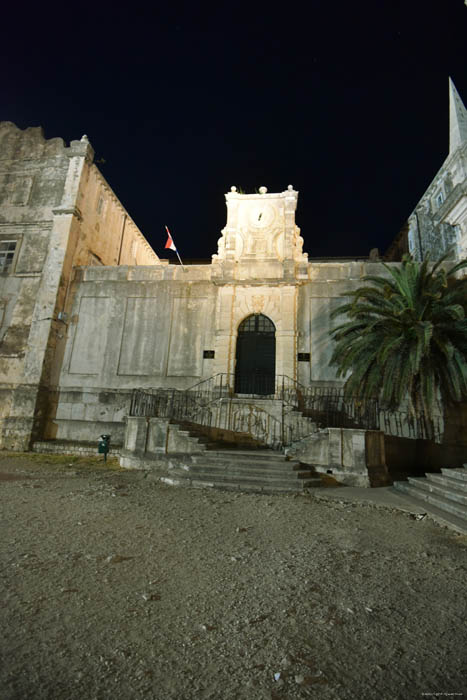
(170, 243)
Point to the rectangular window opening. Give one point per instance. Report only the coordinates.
(7, 254)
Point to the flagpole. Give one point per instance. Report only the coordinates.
(180, 260)
(178, 256)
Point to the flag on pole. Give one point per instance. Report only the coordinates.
(170, 243)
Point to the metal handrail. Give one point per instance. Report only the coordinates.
(223, 413)
(325, 406)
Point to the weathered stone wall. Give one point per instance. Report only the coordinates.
(33, 173)
(439, 221)
(354, 457)
(148, 327)
(107, 234)
(49, 215)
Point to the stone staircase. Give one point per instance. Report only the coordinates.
(260, 471)
(444, 495)
(207, 438)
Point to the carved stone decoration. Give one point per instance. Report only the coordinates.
(261, 228)
(257, 303)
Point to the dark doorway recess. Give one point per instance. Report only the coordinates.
(255, 367)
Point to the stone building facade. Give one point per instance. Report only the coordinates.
(259, 314)
(88, 311)
(56, 212)
(438, 223)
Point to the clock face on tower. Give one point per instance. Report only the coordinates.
(261, 215)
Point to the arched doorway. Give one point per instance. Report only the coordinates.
(255, 367)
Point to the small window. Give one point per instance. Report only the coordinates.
(257, 323)
(100, 205)
(7, 255)
(439, 199)
(303, 356)
(208, 354)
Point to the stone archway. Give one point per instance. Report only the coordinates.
(255, 365)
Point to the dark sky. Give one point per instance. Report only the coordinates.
(347, 101)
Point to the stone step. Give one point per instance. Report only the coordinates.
(442, 517)
(247, 472)
(266, 456)
(458, 473)
(227, 437)
(447, 492)
(243, 464)
(194, 435)
(448, 481)
(440, 502)
(251, 485)
(208, 475)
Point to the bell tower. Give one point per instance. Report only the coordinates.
(261, 227)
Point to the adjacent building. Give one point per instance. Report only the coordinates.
(438, 223)
(56, 212)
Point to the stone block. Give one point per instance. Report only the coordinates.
(120, 413)
(91, 412)
(64, 410)
(335, 446)
(105, 413)
(347, 448)
(90, 338)
(77, 411)
(157, 435)
(359, 449)
(136, 434)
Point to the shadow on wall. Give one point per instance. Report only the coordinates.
(406, 457)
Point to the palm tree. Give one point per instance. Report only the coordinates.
(406, 338)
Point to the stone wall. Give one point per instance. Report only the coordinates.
(354, 457)
(150, 327)
(439, 221)
(55, 211)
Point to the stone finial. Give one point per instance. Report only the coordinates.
(233, 188)
(290, 188)
(84, 138)
(263, 190)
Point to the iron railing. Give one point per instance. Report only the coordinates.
(221, 413)
(212, 403)
(404, 424)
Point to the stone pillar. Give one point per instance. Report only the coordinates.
(225, 334)
(286, 354)
(136, 434)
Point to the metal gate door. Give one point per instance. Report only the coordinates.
(255, 368)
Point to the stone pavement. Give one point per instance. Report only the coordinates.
(388, 497)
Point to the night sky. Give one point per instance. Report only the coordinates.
(346, 101)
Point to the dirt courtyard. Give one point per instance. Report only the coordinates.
(115, 586)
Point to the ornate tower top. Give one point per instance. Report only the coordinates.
(457, 119)
(261, 227)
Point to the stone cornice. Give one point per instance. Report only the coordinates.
(45, 224)
(73, 211)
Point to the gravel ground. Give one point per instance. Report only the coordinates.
(115, 586)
